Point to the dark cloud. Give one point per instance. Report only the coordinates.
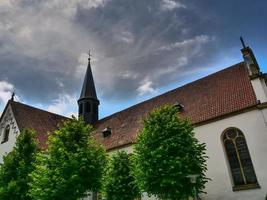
(138, 46)
(139, 40)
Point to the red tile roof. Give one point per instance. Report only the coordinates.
(41, 121)
(218, 94)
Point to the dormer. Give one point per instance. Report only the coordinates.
(179, 106)
(106, 132)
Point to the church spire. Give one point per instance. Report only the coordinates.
(88, 89)
(250, 60)
(88, 102)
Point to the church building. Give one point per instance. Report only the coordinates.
(228, 110)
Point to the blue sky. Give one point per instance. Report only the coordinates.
(140, 48)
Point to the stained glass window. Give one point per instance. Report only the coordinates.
(240, 163)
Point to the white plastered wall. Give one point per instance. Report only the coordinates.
(8, 119)
(254, 126)
(260, 89)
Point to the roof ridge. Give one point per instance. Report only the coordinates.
(170, 91)
(35, 108)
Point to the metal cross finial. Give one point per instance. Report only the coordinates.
(12, 96)
(242, 42)
(89, 55)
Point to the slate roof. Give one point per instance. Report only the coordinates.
(213, 96)
(88, 89)
(41, 121)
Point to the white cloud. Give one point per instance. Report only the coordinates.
(43, 29)
(170, 5)
(82, 63)
(63, 104)
(196, 41)
(6, 90)
(69, 7)
(180, 62)
(128, 75)
(127, 37)
(48, 37)
(5, 4)
(145, 88)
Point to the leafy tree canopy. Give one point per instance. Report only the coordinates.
(165, 153)
(71, 167)
(14, 172)
(118, 181)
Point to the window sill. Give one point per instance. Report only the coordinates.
(246, 187)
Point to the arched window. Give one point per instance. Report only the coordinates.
(239, 160)
(6, 134)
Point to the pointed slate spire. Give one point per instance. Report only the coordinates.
(88, 102)
(88, 89)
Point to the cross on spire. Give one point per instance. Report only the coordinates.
(12, 96)
(89, 55)
(242, 42)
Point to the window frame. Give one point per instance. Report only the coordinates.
(244, 186)
(6, 134)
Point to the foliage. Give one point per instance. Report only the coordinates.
(118, 181)
(14, 172)
(72, 165)
(165, 153)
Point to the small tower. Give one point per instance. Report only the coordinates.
(88, 102)
(250, 60)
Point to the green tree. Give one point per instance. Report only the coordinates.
(72, 165)
(166, 152)
(17, 165)
(118, 181)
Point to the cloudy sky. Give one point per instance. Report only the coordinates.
(140, 48)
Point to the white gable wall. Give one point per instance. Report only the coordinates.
(8, 118)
